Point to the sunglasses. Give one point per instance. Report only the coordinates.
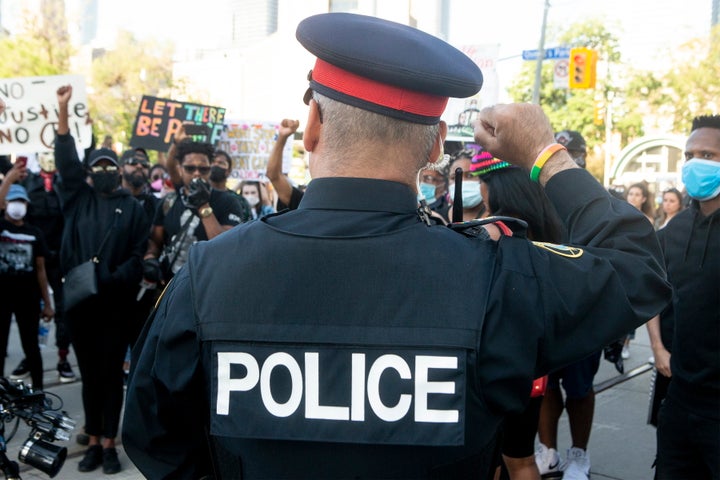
(204, 170)
(103, 168)
(134, 162)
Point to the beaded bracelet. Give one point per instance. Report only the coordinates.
(541, 159)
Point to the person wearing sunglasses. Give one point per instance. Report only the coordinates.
(102, 221)
(194, 212)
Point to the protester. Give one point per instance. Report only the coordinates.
(23, 281)
(472, 201)
(102, 221)
(688, 434)
(220, 169)
(433, 189)
(321, 382)
(289, 195)
(639, 197)
(672, 204)
(575, 144)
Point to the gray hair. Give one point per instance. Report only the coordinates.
(348, 128)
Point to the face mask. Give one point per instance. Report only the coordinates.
(16, 210)
(427, 192)
(471, 195)
(135, 179)
(105, 182)
(701, 178)
(252, 199)
(218, 174)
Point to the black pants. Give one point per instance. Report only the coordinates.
(98, 330)
(688, 445)
(24, 302)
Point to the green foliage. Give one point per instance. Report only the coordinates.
(119, 80)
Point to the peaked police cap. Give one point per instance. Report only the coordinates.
(386, 67)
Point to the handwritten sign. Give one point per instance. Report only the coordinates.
(249, 144)
(159, 119)
(30, 119)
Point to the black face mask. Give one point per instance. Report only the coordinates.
(218, 174)
(135, 179)
(105, 182)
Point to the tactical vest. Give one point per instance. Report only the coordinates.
(345, 345)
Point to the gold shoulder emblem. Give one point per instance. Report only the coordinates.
(562, 250)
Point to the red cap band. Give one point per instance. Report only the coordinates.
(378, 93)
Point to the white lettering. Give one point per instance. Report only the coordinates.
(389, 414)
(423, 387)
(357, 394)
(288, 408)
(227, 384)
(313, 409)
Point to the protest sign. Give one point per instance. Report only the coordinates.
(159, 119)
(249, 144)
(30, 119)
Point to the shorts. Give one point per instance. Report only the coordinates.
(577, 378)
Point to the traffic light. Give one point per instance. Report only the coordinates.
(583, 63)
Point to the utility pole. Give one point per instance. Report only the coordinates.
(541, 55)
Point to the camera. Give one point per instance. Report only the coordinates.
(47, 424)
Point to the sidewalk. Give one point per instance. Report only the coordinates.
(622, 445)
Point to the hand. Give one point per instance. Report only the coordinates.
(662, 361)
(264, 194)
(64, 94)
(288, 127)
(181, 133)
(515, 132)
(151, 270)
(17, 173)
(47, 313)
(198, 193)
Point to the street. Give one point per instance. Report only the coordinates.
(622, 445)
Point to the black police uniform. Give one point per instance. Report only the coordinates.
(354, 371)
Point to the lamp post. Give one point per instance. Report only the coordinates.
(541, 55)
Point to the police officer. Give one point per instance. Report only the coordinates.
(353, 371)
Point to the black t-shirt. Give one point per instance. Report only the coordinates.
(295, 198)
(149, 203)
(20, 245)
(183, 227)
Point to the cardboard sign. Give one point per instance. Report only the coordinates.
(30, 119)
(249, 144)
(159, 119)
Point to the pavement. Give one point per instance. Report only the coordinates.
(622, 445)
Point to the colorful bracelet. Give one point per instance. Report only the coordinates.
(541, 159)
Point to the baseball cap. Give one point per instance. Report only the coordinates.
(385, 67)
(102, 154)
(17, 192)
(135, 153)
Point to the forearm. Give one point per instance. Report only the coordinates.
(42, 280)
(653, 328)
(171, 165)
(63, 116)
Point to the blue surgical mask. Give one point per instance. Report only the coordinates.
(471, 195)
(427, 192)
(701, 178)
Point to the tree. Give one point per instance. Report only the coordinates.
(121, 77)
(42, 47)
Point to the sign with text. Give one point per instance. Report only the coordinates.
(30, 119)
(553, 53)
(159, 119)
(249, 144)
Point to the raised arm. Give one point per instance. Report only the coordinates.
(274, 167)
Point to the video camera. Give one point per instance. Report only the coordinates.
(47, 424)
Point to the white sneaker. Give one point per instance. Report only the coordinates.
(548, 462)
(577, 466)
(625, 352)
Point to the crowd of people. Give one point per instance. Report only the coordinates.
(533, 238)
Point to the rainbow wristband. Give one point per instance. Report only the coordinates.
(541, 159)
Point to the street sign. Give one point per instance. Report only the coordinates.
(561, 74)
(554, 53)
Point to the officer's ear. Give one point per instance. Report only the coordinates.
(311, 135)
(438, 150)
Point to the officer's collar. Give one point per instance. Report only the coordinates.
(361, 194)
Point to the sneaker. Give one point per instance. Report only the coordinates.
(625, 352)
(21, 371)
(577, 466)
(110, 461)
(93, 458)
(548, 462)
(65, 372)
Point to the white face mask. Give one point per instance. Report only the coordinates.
(16, 210)
(252, 199)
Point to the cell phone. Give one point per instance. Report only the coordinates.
(21, 160)
(197, 130)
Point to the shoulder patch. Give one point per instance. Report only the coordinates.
(562, 250)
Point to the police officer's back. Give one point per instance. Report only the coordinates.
(353, 370)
